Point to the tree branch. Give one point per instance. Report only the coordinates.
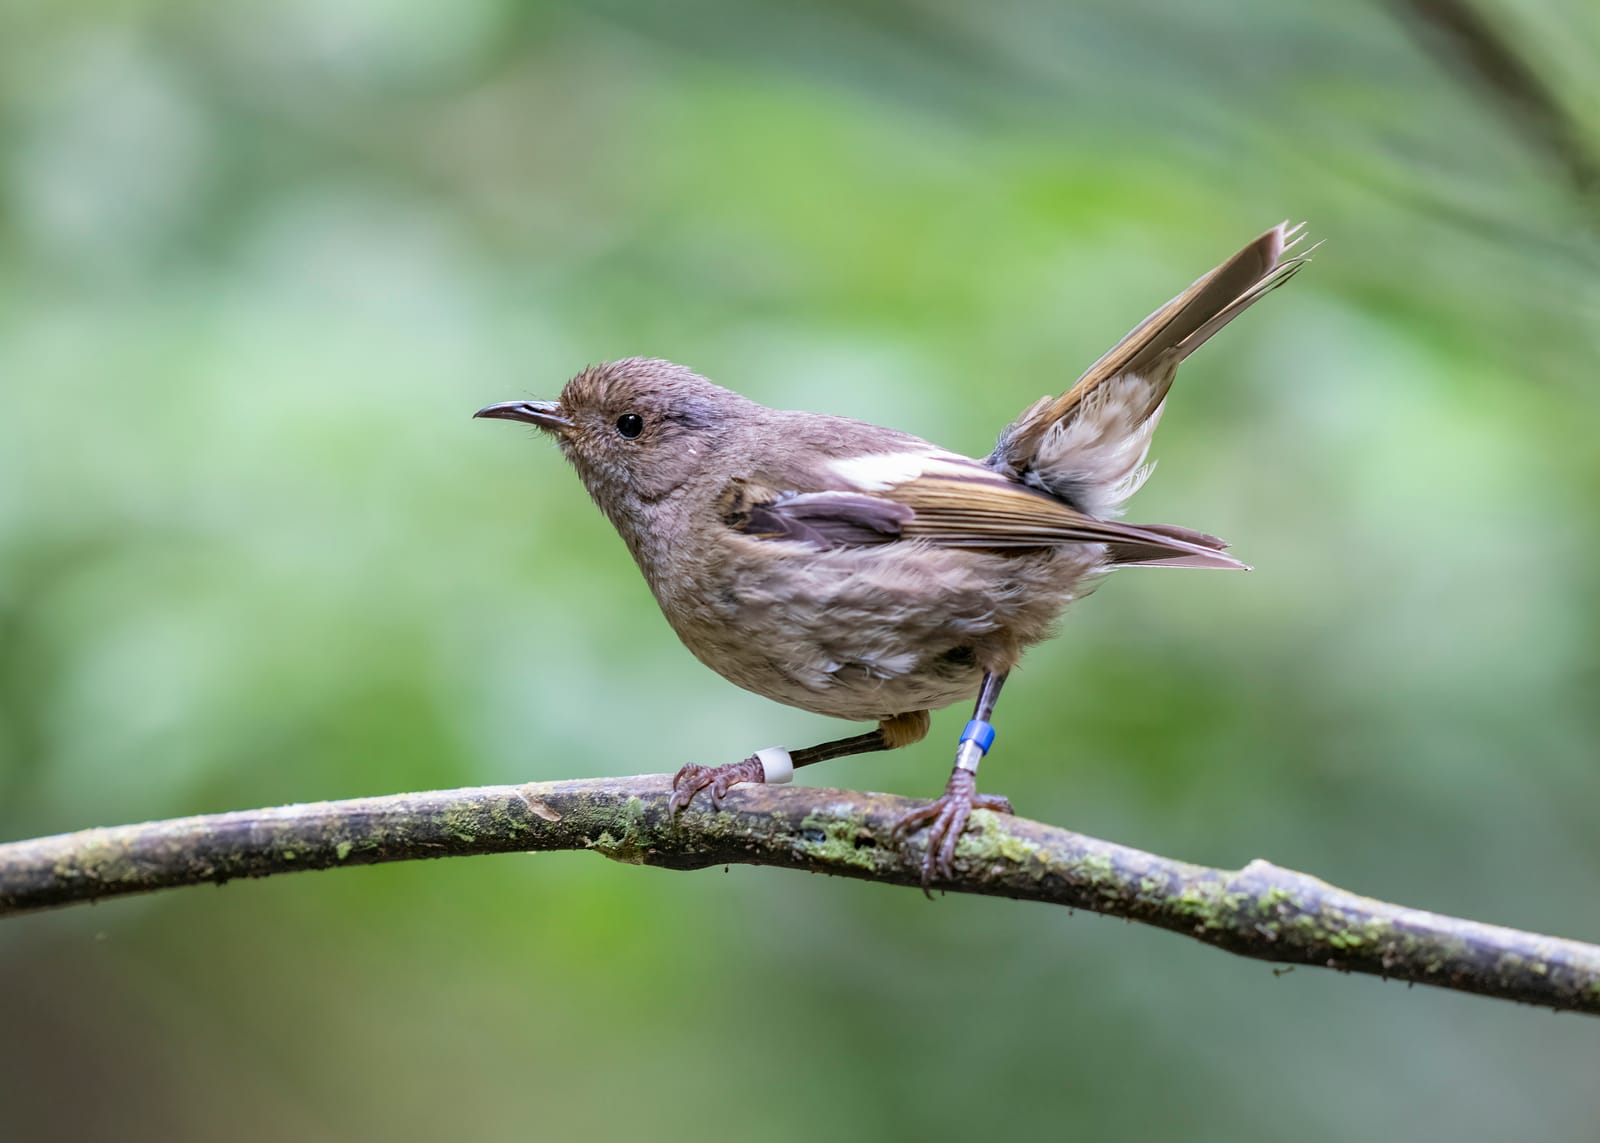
(1259, 911)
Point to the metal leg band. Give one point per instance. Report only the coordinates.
(976, 738)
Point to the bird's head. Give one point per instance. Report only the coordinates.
(636, 430)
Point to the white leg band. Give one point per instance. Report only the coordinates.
(776, 765)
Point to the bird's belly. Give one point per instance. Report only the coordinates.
(868, 633)
(850, 690)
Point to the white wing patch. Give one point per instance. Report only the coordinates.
(879, 472)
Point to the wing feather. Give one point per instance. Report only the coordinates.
(959, 504)
(962, 512)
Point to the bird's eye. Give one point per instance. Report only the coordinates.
(630, 425)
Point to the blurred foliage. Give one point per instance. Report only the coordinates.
(258, 263)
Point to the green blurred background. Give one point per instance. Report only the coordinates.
(260, 261)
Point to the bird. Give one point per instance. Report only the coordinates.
(863, 573)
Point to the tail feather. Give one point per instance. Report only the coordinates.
(1089, 445)
(1279, 272)
(1205, 551)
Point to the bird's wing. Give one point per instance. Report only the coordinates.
(825, 519)
(948, 501)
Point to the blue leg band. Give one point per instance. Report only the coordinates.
(979, 733)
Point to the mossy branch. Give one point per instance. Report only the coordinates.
(1259, 911)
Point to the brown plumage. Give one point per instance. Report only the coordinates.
(860, 572)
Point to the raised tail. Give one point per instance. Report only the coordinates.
(1089, 445)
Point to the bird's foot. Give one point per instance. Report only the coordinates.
(946, 819)
(690, 780)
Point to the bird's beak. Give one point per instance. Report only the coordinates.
(545, 414)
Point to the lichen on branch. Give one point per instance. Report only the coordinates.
(1260, 911)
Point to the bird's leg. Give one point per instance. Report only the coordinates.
(947, 817)
(891, 734)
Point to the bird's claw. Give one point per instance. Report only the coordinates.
(691, 779)
(946, 819)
